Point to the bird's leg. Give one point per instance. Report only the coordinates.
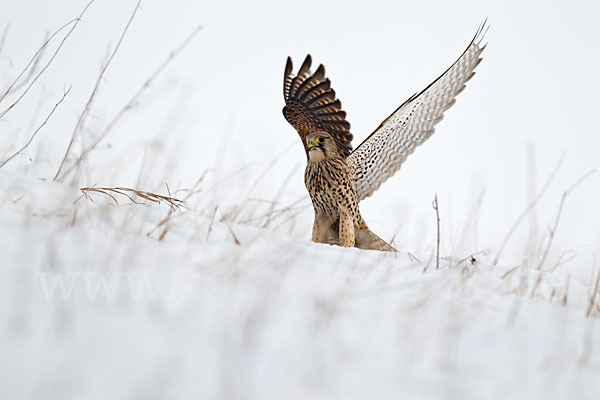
(335, 233)
(346, 229)
(321, 228)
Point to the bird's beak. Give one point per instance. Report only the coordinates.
(311, 145)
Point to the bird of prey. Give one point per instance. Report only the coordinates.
(337, 177)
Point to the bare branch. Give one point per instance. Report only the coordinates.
(74, 23)
(37, 130)
(88, 106)
(128, 106)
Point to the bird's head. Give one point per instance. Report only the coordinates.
(320, 145)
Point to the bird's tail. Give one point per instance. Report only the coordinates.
(367, 240)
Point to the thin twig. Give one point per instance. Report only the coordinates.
(37, 130)
(529, 207)
(559, 213)
(437, 215)
(128, 106)
(75, 22)
(80, 122)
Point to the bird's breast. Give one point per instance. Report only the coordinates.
(324, 181)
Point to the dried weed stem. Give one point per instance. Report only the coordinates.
(65, 93)
(437, 215)
(74, 23)
(131, 194)
(88, 106)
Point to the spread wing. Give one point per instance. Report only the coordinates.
(384, 151)
(310, 105)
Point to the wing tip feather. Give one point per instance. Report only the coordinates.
(368, 181)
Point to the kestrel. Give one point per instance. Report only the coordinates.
(338, 178)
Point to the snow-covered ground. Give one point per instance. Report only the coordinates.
(227, 297)
(94, 306)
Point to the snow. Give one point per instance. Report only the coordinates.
(273, 317)
(228, 298)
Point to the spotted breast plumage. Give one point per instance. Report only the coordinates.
(337, 177)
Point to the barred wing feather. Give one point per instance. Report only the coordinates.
(311, 105)
(383, 152)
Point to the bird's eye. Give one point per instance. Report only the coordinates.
(320, 140)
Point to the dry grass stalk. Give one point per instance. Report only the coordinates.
(594, 295)
(559, 213)
(74, 23)
(510, 271)
(470, 258)
(81, 121)
(563, 259)
(565, 297)
(65, 93)
(472, 222)
(33, 63)
(527, 210)
(3, 38)
(235, 239)
(538, 281)
(212, 221)
(289, 212)
(165, 221)
(275, 201)
(131, 194)
(293, 212)
(124, 110)
(413, 258)
(437, 214)
(428, 263)
(552, 294)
